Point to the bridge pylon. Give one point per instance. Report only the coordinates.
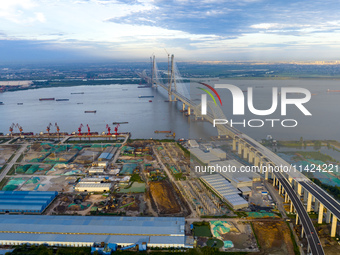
(172, 80)
(153, 72)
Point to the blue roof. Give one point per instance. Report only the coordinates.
(25, 201)
(157, 230)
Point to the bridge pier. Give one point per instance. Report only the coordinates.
(309, 202)
(251, 156)
(280, 187)
(320, 217)
(245, 152)
(302, 232)
(234, 144)
(256, 161)
(189, 110)
(334, 224)
(291, 209)
(240, 147)
(286, 197)
(183, 107)
(297, 219)
(274, 181)
(299, 187)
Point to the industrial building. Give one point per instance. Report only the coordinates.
(193, 144)
(26, 201)
(96, 170)
(219, 153)
(205, 157)
(79, 231)
(225, 190)
(92, 187)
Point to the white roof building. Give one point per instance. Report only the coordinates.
(225, 190)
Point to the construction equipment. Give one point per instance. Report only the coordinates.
(108, 129)
(79, 129)
(116, 130)
(20, 128)
(11, 128)
(88, 130)
(58, 129)
(48, 128)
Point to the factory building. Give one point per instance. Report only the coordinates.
(26, 201)
(219, 153)
(205, 157)
(225, 190)
(92, 187)
(80, 231)
(193, 144)
(96, 170)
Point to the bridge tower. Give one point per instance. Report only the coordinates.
(153, 72)
(172, 80)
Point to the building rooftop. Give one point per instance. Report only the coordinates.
(226, 190)
(93, 229)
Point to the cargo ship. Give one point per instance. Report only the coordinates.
(91, 111)
(47, 99)
(164, 131)
(63, 99)
(20, 103)
(74, 93)
(1, 103)
(146, 96)
(332, 90)
(144, 86)
(124, 122)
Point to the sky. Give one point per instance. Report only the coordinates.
(212, 30)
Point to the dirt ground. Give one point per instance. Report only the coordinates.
(329, 245)
(274, 238)
(164, 197)
(6, 152)
(242, 238)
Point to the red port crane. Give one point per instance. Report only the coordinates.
(79, 129)
(58, 129)
(48, 128)
(108, 129)
(20, 128)
(116, 129)
(11, 128)
(88, 130)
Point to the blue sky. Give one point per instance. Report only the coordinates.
(259, 30)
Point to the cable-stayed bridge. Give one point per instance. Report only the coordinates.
(293, 185)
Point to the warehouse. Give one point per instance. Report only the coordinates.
(96, 170)
(26, 201)
(84, 231)
(93, 187)
(225, 190)
(205, 157)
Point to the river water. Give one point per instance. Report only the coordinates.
(117, 103)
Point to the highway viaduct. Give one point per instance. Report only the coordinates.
(293, 185)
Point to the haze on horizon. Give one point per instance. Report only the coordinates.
(240, 30)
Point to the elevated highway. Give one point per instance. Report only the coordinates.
(260, 156)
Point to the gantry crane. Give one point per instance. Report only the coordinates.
(79, 129)
(20, 128)
(116, 130)
(58, 129)
(88, 130)
(11, 128)
(108, 129)
(48, 128)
